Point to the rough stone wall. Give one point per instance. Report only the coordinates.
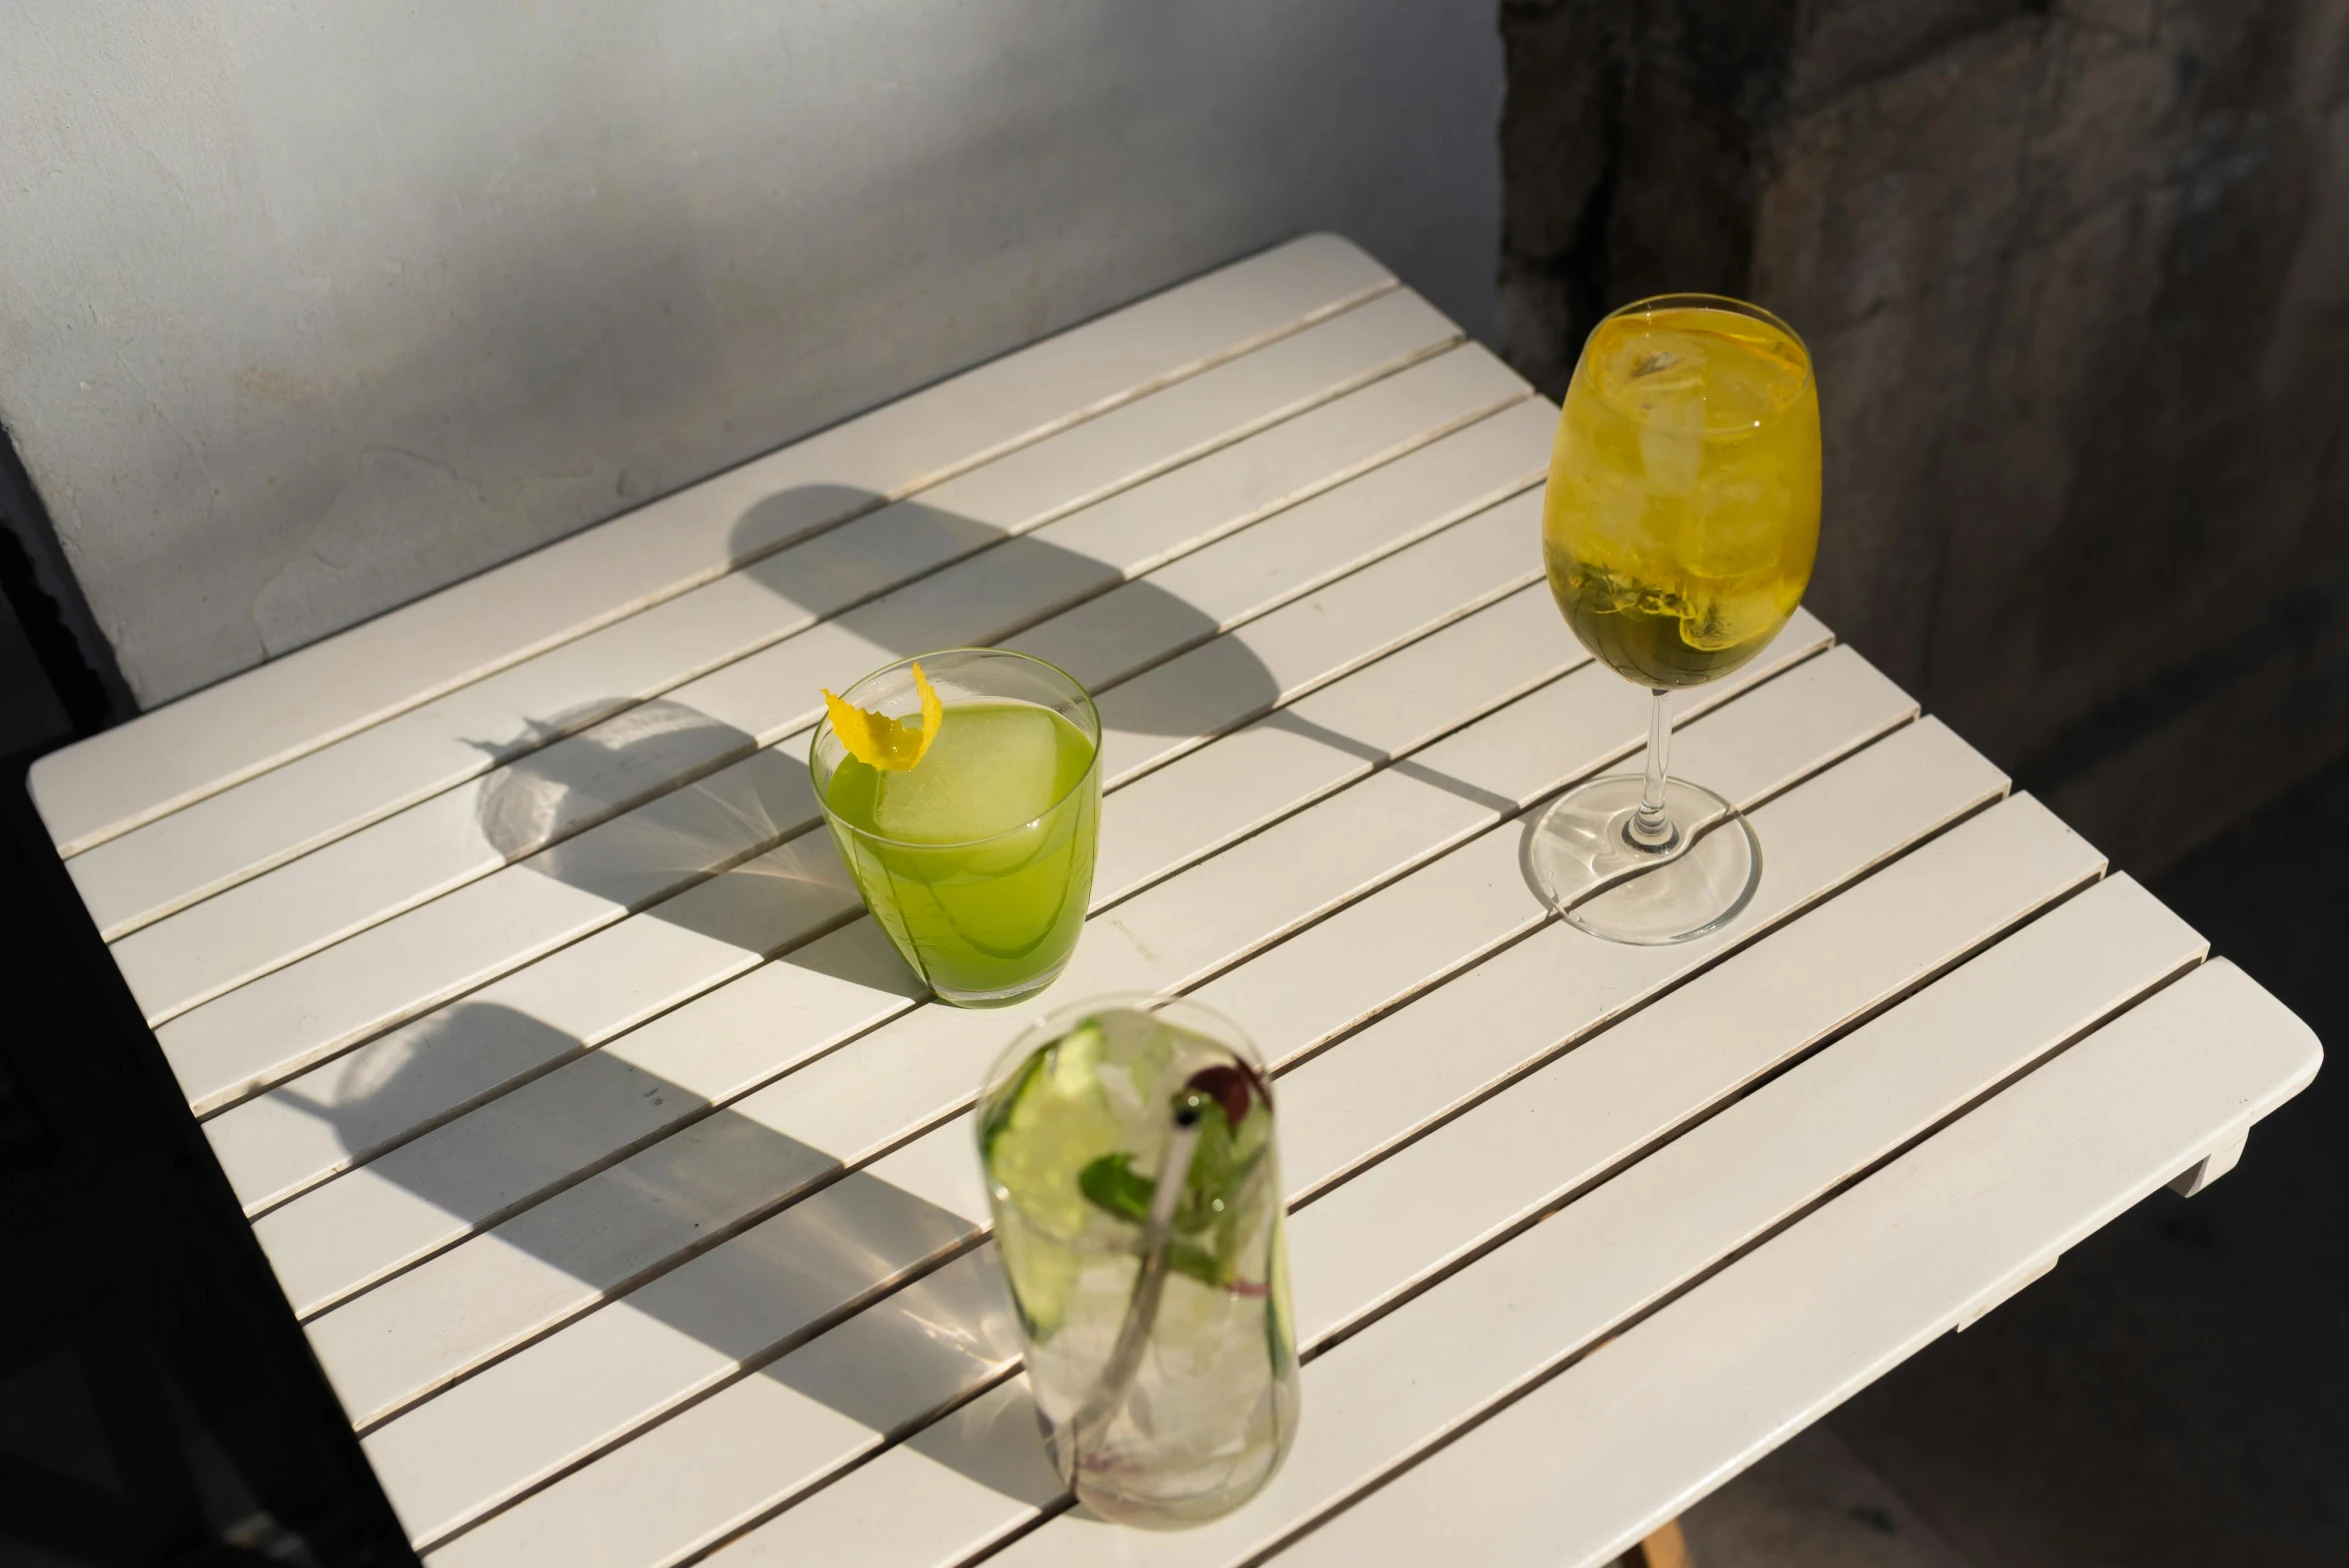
(2076, 280)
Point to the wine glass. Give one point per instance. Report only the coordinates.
(1679, 529)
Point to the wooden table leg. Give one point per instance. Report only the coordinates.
(1666, 1547)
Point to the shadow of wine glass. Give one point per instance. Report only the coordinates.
(634, 806)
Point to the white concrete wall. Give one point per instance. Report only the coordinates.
(308, 307)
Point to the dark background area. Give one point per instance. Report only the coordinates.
(2076, 277)
(158, 1403)
(2076, 280)
(2176, 1393)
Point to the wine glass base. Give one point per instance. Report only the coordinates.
(1580, 857)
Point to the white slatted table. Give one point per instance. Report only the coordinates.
(621, 1175)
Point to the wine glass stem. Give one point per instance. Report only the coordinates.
(1650, 827)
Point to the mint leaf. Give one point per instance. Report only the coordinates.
(1111, 1183)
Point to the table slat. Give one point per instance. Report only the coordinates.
(294, 704)
(1447, 1194)
(268, 820)
(956, 1465)
(1624, 1439)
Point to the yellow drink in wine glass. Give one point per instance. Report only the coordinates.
(1678, 531)
(1683, 505)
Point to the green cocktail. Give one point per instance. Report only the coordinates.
(977, 859)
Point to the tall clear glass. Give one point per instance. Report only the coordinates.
(1128, 1149)
(1679, 528)
(978, 860)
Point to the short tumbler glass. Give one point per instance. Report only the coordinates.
(988, 919)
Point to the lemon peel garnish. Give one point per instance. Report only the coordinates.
(879, 741)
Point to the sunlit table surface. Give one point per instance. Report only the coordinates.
(622, 1178)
